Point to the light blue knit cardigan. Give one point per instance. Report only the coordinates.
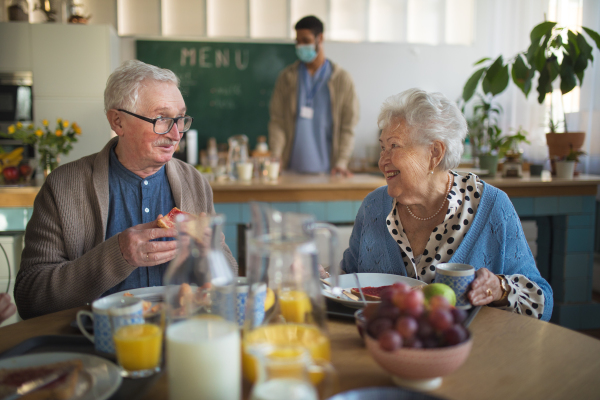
(495, 241)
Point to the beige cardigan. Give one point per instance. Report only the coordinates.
(284, 105)
(66, 262)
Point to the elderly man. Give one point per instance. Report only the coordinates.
(93, 230)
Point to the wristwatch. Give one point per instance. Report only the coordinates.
(505, 287)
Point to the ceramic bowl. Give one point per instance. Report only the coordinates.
(420, 369)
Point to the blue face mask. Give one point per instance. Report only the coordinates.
(306, 52)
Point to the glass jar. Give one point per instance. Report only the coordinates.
(202, 336)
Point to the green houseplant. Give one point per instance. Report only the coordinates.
(486, 136)
(555, 52)
(565, 166)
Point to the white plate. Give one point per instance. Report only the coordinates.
(348, 282)
(99, 379)
(153, 294)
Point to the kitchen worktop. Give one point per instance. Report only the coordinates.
(296, 187)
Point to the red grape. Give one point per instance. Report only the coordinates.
(413, 343)
(459, 315)
(390, 340)
(430, 342)
(440, 319)
(387, 295)
(379, 325)
(388, 311)
(406, 327)
(415, 312)
(425, 329)
(398, 299)
(401, 287)
(413, 299)
(454, 335)
(439, 303)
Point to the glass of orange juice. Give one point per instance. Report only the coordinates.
(139, 346)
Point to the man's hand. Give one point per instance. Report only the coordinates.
(139, 251)
(341, 171)
(7, 308)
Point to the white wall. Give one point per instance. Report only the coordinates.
(380, 70)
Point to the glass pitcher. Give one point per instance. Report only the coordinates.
(202, 336)
(283, 255)
(238, 153)
(284, 373)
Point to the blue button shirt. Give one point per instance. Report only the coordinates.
(312, 141)
(133, 201)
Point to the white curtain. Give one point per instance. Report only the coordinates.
(507, 27)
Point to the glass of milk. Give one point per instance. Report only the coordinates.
(202, 336)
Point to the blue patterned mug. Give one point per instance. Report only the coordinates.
(126, 310)
(459, 278)
(242, 290)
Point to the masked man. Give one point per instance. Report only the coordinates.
(313, 109)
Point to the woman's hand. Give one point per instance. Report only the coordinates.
(485, 288)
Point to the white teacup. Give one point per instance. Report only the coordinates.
(128, 310)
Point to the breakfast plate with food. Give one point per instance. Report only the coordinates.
(372, 284)
(88, 377)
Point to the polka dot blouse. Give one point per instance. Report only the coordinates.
(525, 296)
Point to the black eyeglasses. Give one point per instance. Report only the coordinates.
(164, 125)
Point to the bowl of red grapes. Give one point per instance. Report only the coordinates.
(416, 340)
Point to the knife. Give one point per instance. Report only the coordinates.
(36, 384)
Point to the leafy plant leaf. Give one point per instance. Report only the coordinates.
(544, 84)
(496, 77)
(532, 51)
(500, 81)
(521, 75)
(540, 30)
(567, 75)
(471, 84)
(594, 35)
(484, 59)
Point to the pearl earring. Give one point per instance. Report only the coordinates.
(431, 172)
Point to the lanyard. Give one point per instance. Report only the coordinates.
(317, 82)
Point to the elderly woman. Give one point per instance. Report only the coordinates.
(429, 214)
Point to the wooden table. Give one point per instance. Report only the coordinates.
(513, 357)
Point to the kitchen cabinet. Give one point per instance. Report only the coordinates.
(15, 47)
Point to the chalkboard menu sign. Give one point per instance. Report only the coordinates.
(226, 86)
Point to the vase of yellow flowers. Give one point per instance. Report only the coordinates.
(50, 143)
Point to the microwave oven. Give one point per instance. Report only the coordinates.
(16, 105)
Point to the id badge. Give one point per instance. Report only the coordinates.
(306, 112)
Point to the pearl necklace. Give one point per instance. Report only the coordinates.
(438, 210)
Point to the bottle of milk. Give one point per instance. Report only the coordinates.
(202, 335)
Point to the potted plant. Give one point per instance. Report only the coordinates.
(554, 52)
(565, 166)
(486, 136)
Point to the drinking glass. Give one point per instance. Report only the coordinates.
(202, 336)
(138, 346)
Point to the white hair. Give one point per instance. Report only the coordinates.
(429, 117)
(123, 85)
